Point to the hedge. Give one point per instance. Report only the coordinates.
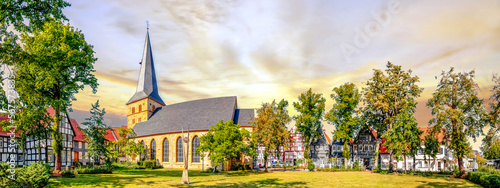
(484, 178)
(34, 175)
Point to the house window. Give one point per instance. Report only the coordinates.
(366, 148)
(196, 155)
(370, 148)
(140, 108)
(180, 150)
(165, 150)
(133, 110)
(153, 150)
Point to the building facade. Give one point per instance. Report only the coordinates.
(37, 149)
(363, 148)
(161, 128)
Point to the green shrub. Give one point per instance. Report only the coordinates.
(149, 164)
(5, 181)
(139, 163)
(34, 175)
(310, 166)
(68, 174)
(484, 178)
(95, 170)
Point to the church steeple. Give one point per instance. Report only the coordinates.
(147, 86)
(146, 99)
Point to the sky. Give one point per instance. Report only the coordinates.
(264, 50)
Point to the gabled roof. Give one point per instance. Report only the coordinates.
(147, 86)
(80, 135)
(6, 133)
(426, 132)
(195, 115)
(327, 138)
(110, 136)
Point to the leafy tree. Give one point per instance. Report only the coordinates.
(385, 96)
(491, 144)
(23, 16)
(134, 149)
(404, 138)
(458, 110)
(343, 115)
(431, 149)
(95, 132)
(125, 134)
(55, 64)
(224, 141)
(311, 107)
(269, 128)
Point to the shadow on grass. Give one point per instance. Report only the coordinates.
(123, 177)
(444, 184)
(271, 182)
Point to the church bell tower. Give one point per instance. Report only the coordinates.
(146, 98)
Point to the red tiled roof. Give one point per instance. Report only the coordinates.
(374, 133)
(109, 135)
(6, 133)
(80, 135)
(383, 149)
(328, 139)
(426, 132)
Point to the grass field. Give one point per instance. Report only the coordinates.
(171, 178)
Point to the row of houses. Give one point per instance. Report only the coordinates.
(326, 153)
(36, 149)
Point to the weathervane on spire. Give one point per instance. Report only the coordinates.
(147, 24)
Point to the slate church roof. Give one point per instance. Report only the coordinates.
(147, 86)
(197, 115)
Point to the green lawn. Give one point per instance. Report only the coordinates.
(171, 178)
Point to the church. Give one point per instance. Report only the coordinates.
(160, 127)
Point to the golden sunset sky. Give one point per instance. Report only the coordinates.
(265, 50)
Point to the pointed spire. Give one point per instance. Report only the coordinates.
(146, 86)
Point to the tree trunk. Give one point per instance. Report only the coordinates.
(405, 162)
(429, 163)
(460, 164)
(391, 160)
(265, 161)
(345, 163)
(377, 149)
(414, 161)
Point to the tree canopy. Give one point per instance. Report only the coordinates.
(311, 107)
(269, 128)
(225, 141)
(386, 95)
(457, 108)
(95, 133)
(343, 115)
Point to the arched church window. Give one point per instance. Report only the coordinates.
(165, 150)
(180, 150)
(153, 150)
(196, 155)
(142, 154)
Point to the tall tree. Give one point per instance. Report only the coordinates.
(23, 16)
(385, 96)
(56, 63)
(225, 141)
(457, 108)
(343, 115)
(491, 145)
(95, 133)
(311, 107)
(431, 149)
(404, 137)
(269, 128)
